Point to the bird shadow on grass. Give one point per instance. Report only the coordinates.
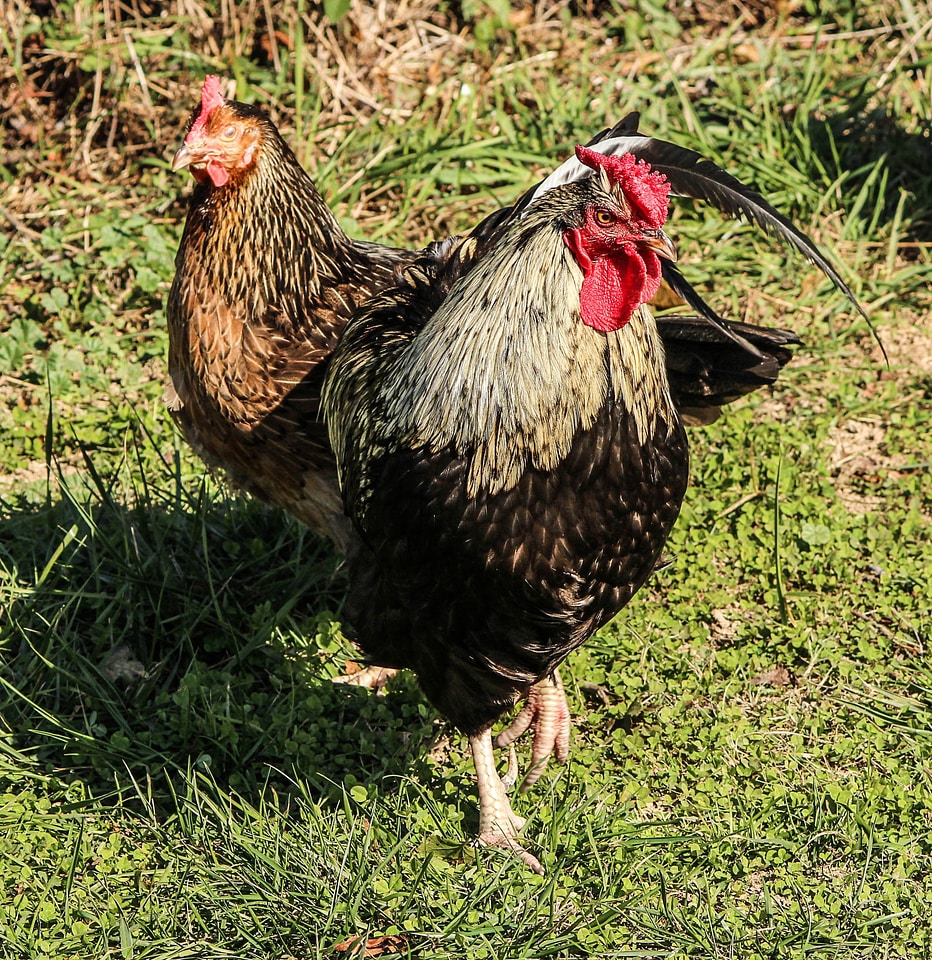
(191, 631)
(887, 168)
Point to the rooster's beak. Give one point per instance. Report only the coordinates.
(182, 158)
(657, 241)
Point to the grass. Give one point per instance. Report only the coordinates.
(750, 774)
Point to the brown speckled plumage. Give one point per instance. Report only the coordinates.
(266, 280)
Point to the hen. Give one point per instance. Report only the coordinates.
(266, 279)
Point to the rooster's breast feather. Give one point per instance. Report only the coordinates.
(511, 473)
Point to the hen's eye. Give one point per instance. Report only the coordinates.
(229, 133)
(604, 218)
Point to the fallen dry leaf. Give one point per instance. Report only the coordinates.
(373, 947)
(775, 677)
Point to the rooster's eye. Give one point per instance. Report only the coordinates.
(229, 133)
(604, 218)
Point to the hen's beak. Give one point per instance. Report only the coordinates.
(660, 243)
(182, 158)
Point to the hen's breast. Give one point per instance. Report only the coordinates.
(250, 334)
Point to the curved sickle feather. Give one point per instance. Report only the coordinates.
(690, 296)
(691, 176)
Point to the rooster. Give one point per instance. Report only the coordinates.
(510, 453)
(266, 280)
(511, 456)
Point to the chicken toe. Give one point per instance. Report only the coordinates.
(371, 677)
(499, 825)
(547, 714)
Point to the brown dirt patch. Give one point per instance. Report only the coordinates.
(856, 456)
(860, 458)
(860, 461)
(909, 349)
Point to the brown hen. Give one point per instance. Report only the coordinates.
(266, 280)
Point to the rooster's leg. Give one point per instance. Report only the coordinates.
(372, 677)
(547, 714)
(499, 825)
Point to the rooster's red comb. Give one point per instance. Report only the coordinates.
(210, 97)
(646, 190)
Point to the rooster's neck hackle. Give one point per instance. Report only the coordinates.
(511, 389)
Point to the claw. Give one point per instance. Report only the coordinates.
(509, 844)
(511, 773)
(547, 714)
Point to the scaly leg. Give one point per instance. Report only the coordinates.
(547, 714)
(499, 825)
(372, 677)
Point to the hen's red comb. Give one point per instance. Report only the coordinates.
(210, 97)
(646, 190)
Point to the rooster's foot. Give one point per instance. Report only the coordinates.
(372, 677)
(499, 825)
(547, 714)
